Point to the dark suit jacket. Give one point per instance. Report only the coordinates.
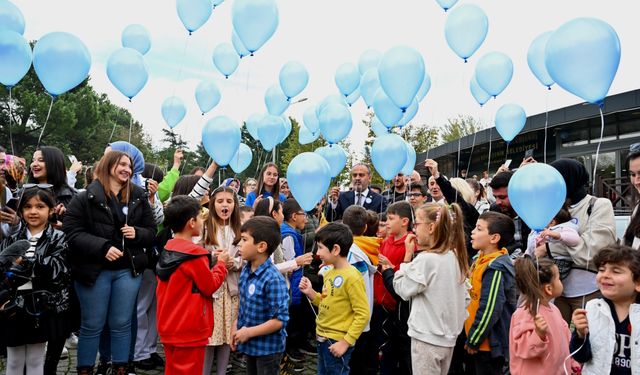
(373, 201)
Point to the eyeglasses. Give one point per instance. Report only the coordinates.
(416, 223)
(301, 213)
(414, 195)
(39, 186)
(634, 148)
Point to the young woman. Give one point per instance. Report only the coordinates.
(108, 228)
(268, 185)
(284, 187)
(46, 273)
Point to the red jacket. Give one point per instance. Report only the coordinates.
(186, 283)
(394, 251)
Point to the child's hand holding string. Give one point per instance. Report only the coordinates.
(384, 263)
(581, 323)
(128, 232)
(410, 244)
(541, 327)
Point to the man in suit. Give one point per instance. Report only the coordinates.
(361, 195)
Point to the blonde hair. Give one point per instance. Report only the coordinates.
(464, 189)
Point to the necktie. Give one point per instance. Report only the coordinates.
(359, 199)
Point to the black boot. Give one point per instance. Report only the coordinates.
(86, 370)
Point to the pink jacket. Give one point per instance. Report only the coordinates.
(530, 355)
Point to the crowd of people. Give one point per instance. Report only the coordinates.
(441, 277)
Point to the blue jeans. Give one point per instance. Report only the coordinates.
(330, 365)
(110, 300)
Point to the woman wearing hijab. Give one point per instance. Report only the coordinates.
(597, 229)
(632, 234)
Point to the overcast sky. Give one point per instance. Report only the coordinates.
(323, 35)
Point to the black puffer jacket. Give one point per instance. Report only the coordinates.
(50, 268)
(91, 231)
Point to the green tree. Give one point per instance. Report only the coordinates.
(458, 127)
(421, 137)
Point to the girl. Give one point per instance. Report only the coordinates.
(268, 185)
(222, 227)
(538, 336)
(436, 274)
(108, 228)
(46, 266)
(284, 187)
(632, 234)
(482, 204)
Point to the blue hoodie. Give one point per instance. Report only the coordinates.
(296, 276)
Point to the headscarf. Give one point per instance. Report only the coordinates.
(136, 156)
(575, 176)
(227, 183)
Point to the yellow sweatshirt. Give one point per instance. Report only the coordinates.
(344, 309)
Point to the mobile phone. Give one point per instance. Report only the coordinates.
(507, 163)
(12, 204)
(73, 159)
(528, 154)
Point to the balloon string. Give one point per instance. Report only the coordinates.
(130, 122)
(45, 121)
(458, 163)
(112, 131)
(546, 123)
(471, 154)
(13, 152)
(506, 154)
(595, 163)
(489, 162)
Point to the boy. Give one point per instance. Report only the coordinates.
(295, 219)
(417, 195)
(264, 299)
(493, 294)
(607, 332)
(186, 283)
(343, 307)
(246, 213)
(365, 353)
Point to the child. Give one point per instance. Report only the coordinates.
(268, 186)
(606, 336)
(293, 246)
(493, 294)
(538, 336)
(343, 306)
(382, 225)
(434, 282)
(221, 229)
(561, 229)
(186, 282)
(356, 218)
(389, 321)
(42, 272)
(264, 299)
(246, 213)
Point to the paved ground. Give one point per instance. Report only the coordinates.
(68, 366)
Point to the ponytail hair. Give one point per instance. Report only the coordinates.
(448, 233)
(531, 278)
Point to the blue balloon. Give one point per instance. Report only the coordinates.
(478, 92)
(309, 177)
(127, 71)
(225, 59)
(61, 62)
(331, 99)
(287, 128)
(424, 88)
(335, 156)
(535, 59)
(305, 136)
(347, 78)
(465, 29)
(401, 72)
(193, 13)
(389, 155)
(335, 123)
(137, 37)
(15, 57)
(270, 131)
(582, 56)
(446, 5)
(11, 17)
(238, 46)
(369, 86)
(411, 160)
(388, 113)
(173, 111)
(275, 100)
(293, 78)
(310, 120)
(494, 72)
(353, 97)
(207, 95)
(409, 114)
(242, 159)
(510, 120)
(254, 21)
(378, 127)
(221, 138)
(252, 123)
(537, 192)
(369, 60)
(216, 3)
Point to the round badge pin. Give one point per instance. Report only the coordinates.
(252, 289)
(337, 282)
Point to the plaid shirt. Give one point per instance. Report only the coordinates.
(263, 296)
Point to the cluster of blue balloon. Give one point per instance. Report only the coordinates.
(61, 60)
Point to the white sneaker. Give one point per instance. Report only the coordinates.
(72, 341)
(65, 353)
